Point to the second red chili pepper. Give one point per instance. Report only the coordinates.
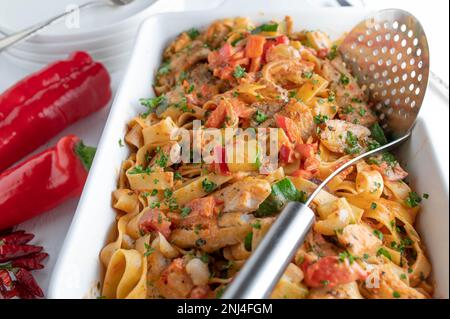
(43, 104)
(44, 181)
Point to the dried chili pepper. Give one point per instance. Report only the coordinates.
(16, 238)
(5, 279)
(25, 279)
(8, 252)
(30, 262)
(17, 258)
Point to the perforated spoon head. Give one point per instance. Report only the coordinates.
(388, 54)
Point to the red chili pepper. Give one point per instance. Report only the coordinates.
(44, 181)
(31, 262)
(8, 252)
(45, 103)
(26, 280)
(16, 238)
(32, 84)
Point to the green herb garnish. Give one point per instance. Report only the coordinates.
(208, 186)
(239, 72)
(260, 117)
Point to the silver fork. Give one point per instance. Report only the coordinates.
(28, 32)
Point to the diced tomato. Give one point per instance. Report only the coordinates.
(255, 64)
(270, 43)
(311, 164)
(226, 112)
(203, 212)
(306, 150)
(322, 53)
(286, 154)
(203, 207)
(155, 220)
(330, 271)
(281, 39)
(221, 57)
(255, 46)
(219, 165)
(303, 173)
(217, 117)
(289, 127)
(241, 110)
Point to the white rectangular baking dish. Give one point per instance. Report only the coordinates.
(78, 270)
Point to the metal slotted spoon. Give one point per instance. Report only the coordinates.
(388, 54)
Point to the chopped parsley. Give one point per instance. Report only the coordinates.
(307, 75)
(352, 143)
(239, 72)
(165, 68)
(389, 158)
(204, 258)
(234, 42)
(273, 27)
(200, 242)
(248, 241)
(396, 294)
(190, 89)
(155, 205)
(154, 192)
(260, 117)
(346, 255)
(185, 211)
(379, 234)
(320, 119)
(373, 205)
(168, 193)
(177, 176)
(208, 186)
(331, 96)
(162, 158)
(333, 52)
(138, 169)
(362, 112)
(193, 33)
(377, 134)
(372, 145)
(426, 195)
(152, 103)
(384, 252)
(148, 250)
(256, 224)
(121, 143)
(344, 80)
(348, 109)
(413, 200)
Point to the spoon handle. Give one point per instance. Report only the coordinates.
(28, 32)
(267, 263)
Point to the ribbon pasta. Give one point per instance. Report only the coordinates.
(185, 227)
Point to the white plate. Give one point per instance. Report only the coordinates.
(33, 12)
(78, 269)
